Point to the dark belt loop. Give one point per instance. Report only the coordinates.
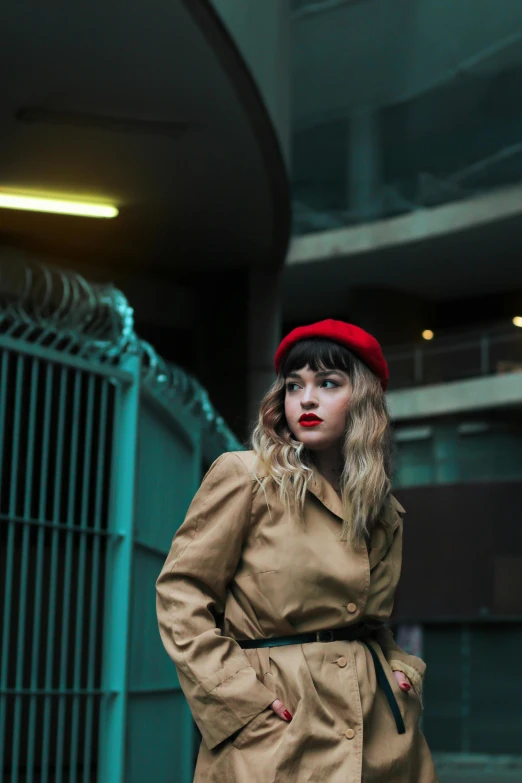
(385, 685)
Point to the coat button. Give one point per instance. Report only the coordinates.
(342, 661)
(352, 607)
(349, 733)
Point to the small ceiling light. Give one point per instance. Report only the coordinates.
(517, 320)
(57, 206)
(428, 334)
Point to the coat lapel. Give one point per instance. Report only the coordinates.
(381, 534)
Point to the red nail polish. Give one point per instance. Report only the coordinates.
(287, 715)
(405, 686)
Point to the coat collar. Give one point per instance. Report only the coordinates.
(326, 494)
(323, 491)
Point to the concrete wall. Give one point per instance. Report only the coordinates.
(374, 53)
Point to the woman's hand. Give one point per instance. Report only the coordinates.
(280, 709)
(404, 683)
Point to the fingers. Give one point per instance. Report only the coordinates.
(404, 683)
(280, 709)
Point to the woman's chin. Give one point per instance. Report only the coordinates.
(315, 441)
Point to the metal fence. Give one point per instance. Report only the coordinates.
(102, 445)
(456, 358)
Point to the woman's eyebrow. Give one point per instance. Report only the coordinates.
(323, 373)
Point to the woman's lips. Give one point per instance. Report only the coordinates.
(309, 420)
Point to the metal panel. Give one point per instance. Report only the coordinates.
(159, 749)
(54, 443)
(168, 473)
(158, 716)
(77, 605)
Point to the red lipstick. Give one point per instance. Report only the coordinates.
(309, 420)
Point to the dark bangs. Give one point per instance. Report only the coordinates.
(320, 354)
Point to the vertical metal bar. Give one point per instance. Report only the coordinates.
(9, 598)
(4, 649)
(80, 595)
(484, 354)
(62, 402)
(27, 478)
(97, 521)
(465, 653)
(42, 505)
(118, 575)
(70, 532)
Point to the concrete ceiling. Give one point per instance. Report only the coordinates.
(150, 107)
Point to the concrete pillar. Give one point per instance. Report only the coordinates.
(264, 333)
(364, 164)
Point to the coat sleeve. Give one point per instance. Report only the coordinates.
(219, 684)
(412, 666)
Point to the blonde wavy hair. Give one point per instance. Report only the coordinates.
(366, 477)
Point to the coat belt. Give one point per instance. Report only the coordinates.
(350, 633)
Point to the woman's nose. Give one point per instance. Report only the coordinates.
(307, 399)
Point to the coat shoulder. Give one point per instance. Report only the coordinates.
(391, 512)
(246, 457)
(250, 462)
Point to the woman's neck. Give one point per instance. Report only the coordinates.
(330, 465)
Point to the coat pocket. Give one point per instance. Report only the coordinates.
(256, 729)
(405, 699)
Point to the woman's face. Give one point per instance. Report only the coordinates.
(316, 405)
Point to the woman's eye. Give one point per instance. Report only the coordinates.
(290, 386)
(333, 384)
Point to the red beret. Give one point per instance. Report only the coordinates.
(357, 340)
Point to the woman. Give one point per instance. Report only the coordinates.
(273, 597)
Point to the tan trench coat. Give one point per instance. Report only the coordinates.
(238, 568)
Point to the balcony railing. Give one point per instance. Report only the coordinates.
(456, 358)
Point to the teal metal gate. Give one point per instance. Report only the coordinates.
(101, 450)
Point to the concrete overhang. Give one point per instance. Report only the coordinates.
(147, 106)
(475, 394)
(461, 249)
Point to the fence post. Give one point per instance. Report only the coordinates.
(118, 576)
